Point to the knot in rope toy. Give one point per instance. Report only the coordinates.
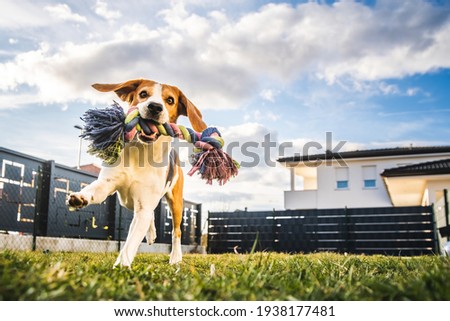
(108, 130)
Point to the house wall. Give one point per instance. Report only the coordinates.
(328, 196)
(435, 188)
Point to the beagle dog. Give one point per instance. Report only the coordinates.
(144, 172)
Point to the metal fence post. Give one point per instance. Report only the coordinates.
(209, 236)
(37, 207)
(346, 232)
(274, 230)
(46, 183)
(437, 246)
(198, 223)
(119, 232)
(447, 211)
(160, 219)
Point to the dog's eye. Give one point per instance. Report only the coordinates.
(143, 94)
(170, 100)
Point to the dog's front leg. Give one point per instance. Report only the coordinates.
(94, 193)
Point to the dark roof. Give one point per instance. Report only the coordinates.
(398, 151)
(438, 167)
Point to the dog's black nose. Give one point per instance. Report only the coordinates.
(155, 107)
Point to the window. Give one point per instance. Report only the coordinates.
(370, 183)
(342, 178)
(369, 174)
(341, 184)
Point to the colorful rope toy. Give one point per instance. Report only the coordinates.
(108, 130)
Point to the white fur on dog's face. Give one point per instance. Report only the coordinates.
(147, 95)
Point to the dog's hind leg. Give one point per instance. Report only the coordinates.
(175, 200)
(139, 227)
(151, 233)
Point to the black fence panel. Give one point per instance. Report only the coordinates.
(190, 225)
(387, 230)
(91, 222)
(18, 191)
(241, 231)
(33, 195)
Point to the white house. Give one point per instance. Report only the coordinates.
(368, 178)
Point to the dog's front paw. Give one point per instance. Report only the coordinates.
(76, 201)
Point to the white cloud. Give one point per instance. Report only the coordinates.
(101, 9)
(63, 12)
(54, 76)
(413, 91)
(24, 14)
(220, 61)
(365, 43)
(13, 41)
(135, 51)
(269, 94)
(388, 89)
(185, 23)
(377, 87)
(136, 32)
(258, 115)
(11, 101)
(273, 117)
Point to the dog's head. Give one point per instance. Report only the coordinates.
(159, 102)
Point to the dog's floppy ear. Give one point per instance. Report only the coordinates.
(124, 90)
(187, 108)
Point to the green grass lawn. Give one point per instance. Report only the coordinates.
(258, 276)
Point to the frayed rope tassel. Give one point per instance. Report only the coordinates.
(214, 164)
(104, 128)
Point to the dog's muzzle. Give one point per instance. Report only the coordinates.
(155, 108)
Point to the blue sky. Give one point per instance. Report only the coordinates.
(374, 73)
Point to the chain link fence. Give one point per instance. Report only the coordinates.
(34, 215)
